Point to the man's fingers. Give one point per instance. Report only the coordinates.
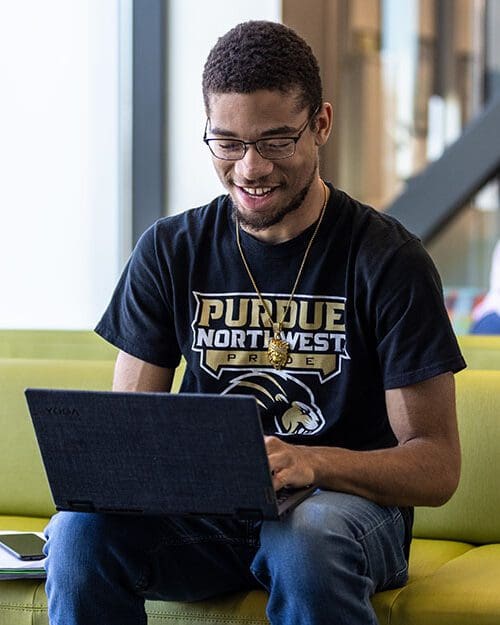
(279, 480)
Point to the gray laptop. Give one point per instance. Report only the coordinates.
(156, 453)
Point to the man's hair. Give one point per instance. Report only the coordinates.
(263, 55)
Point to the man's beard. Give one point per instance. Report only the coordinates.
(262, 222)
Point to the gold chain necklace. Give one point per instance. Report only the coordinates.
(277, 350)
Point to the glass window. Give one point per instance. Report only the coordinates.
(463, 254)
(409, 77)
(60, 157)
(415, 70)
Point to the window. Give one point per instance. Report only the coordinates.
(61, 157)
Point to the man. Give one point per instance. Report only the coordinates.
(330, 313)
(486, 315)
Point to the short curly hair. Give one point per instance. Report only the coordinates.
(263, 55)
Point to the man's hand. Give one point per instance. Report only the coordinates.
(421, 470)
(289, 464)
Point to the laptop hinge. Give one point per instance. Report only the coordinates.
(81, 506)
(270, 494)
(121, 510)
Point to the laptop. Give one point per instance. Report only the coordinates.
(156, 453)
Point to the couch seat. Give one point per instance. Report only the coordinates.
(451, 583)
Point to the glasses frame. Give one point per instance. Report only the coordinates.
(245, 144)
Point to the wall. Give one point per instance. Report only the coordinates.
(59, 165)
(65, 152)
(194, 27)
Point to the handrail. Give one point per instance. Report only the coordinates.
(441, 190)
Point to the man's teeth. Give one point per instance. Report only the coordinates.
(257, 191)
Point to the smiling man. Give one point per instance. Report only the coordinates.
(330, 314)
(271, 191)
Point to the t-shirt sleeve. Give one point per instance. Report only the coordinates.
(415, 340)
(139, 319)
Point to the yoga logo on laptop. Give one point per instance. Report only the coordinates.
(231, 331)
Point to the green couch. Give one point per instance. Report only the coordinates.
(480, 351)
(55, 345)
(455, 555)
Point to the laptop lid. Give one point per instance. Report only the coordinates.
(154, 453)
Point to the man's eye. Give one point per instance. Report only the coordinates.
(277, 144)
(228, 146)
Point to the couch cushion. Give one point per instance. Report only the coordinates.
(23, 602)
(23, 523)
(426, 557)
(464, 591)
(472, 513)
(24, 485)
(480, 352)
(55, 345)
(245, 608)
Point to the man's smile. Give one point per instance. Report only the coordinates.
(257, 197)
(257, 190)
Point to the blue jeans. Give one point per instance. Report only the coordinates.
(320, 564)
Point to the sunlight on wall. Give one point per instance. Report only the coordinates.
(194, 27)
(65, 147)
(58, 162)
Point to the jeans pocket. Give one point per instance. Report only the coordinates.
(384, 549)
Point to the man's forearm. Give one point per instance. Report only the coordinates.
(420, 472)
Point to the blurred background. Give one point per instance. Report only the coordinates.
(101, 124)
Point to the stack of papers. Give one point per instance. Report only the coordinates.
(14, 568)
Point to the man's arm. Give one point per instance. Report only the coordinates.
(423, 469)
(133, 374)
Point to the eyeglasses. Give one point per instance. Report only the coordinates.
(272, 149)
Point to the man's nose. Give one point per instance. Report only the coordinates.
(253, 166)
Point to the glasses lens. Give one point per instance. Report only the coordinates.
(231, 150)
(276, 148)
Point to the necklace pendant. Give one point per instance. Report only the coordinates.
(277, 351)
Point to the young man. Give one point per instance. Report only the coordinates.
(330, 313)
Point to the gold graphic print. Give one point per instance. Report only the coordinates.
(287, 405)
(231, 331)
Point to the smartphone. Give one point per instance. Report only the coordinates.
(24, 546)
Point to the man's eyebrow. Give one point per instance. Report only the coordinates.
(269, 132)
(281, 130)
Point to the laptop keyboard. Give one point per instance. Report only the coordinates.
(283, 494)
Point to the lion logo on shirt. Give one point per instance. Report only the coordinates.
(287, 404)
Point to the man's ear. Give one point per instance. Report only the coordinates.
(324, 123)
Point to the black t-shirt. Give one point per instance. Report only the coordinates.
(368, 315)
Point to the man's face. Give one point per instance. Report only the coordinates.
(264, 192)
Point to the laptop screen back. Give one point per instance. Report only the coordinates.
(153, 453)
